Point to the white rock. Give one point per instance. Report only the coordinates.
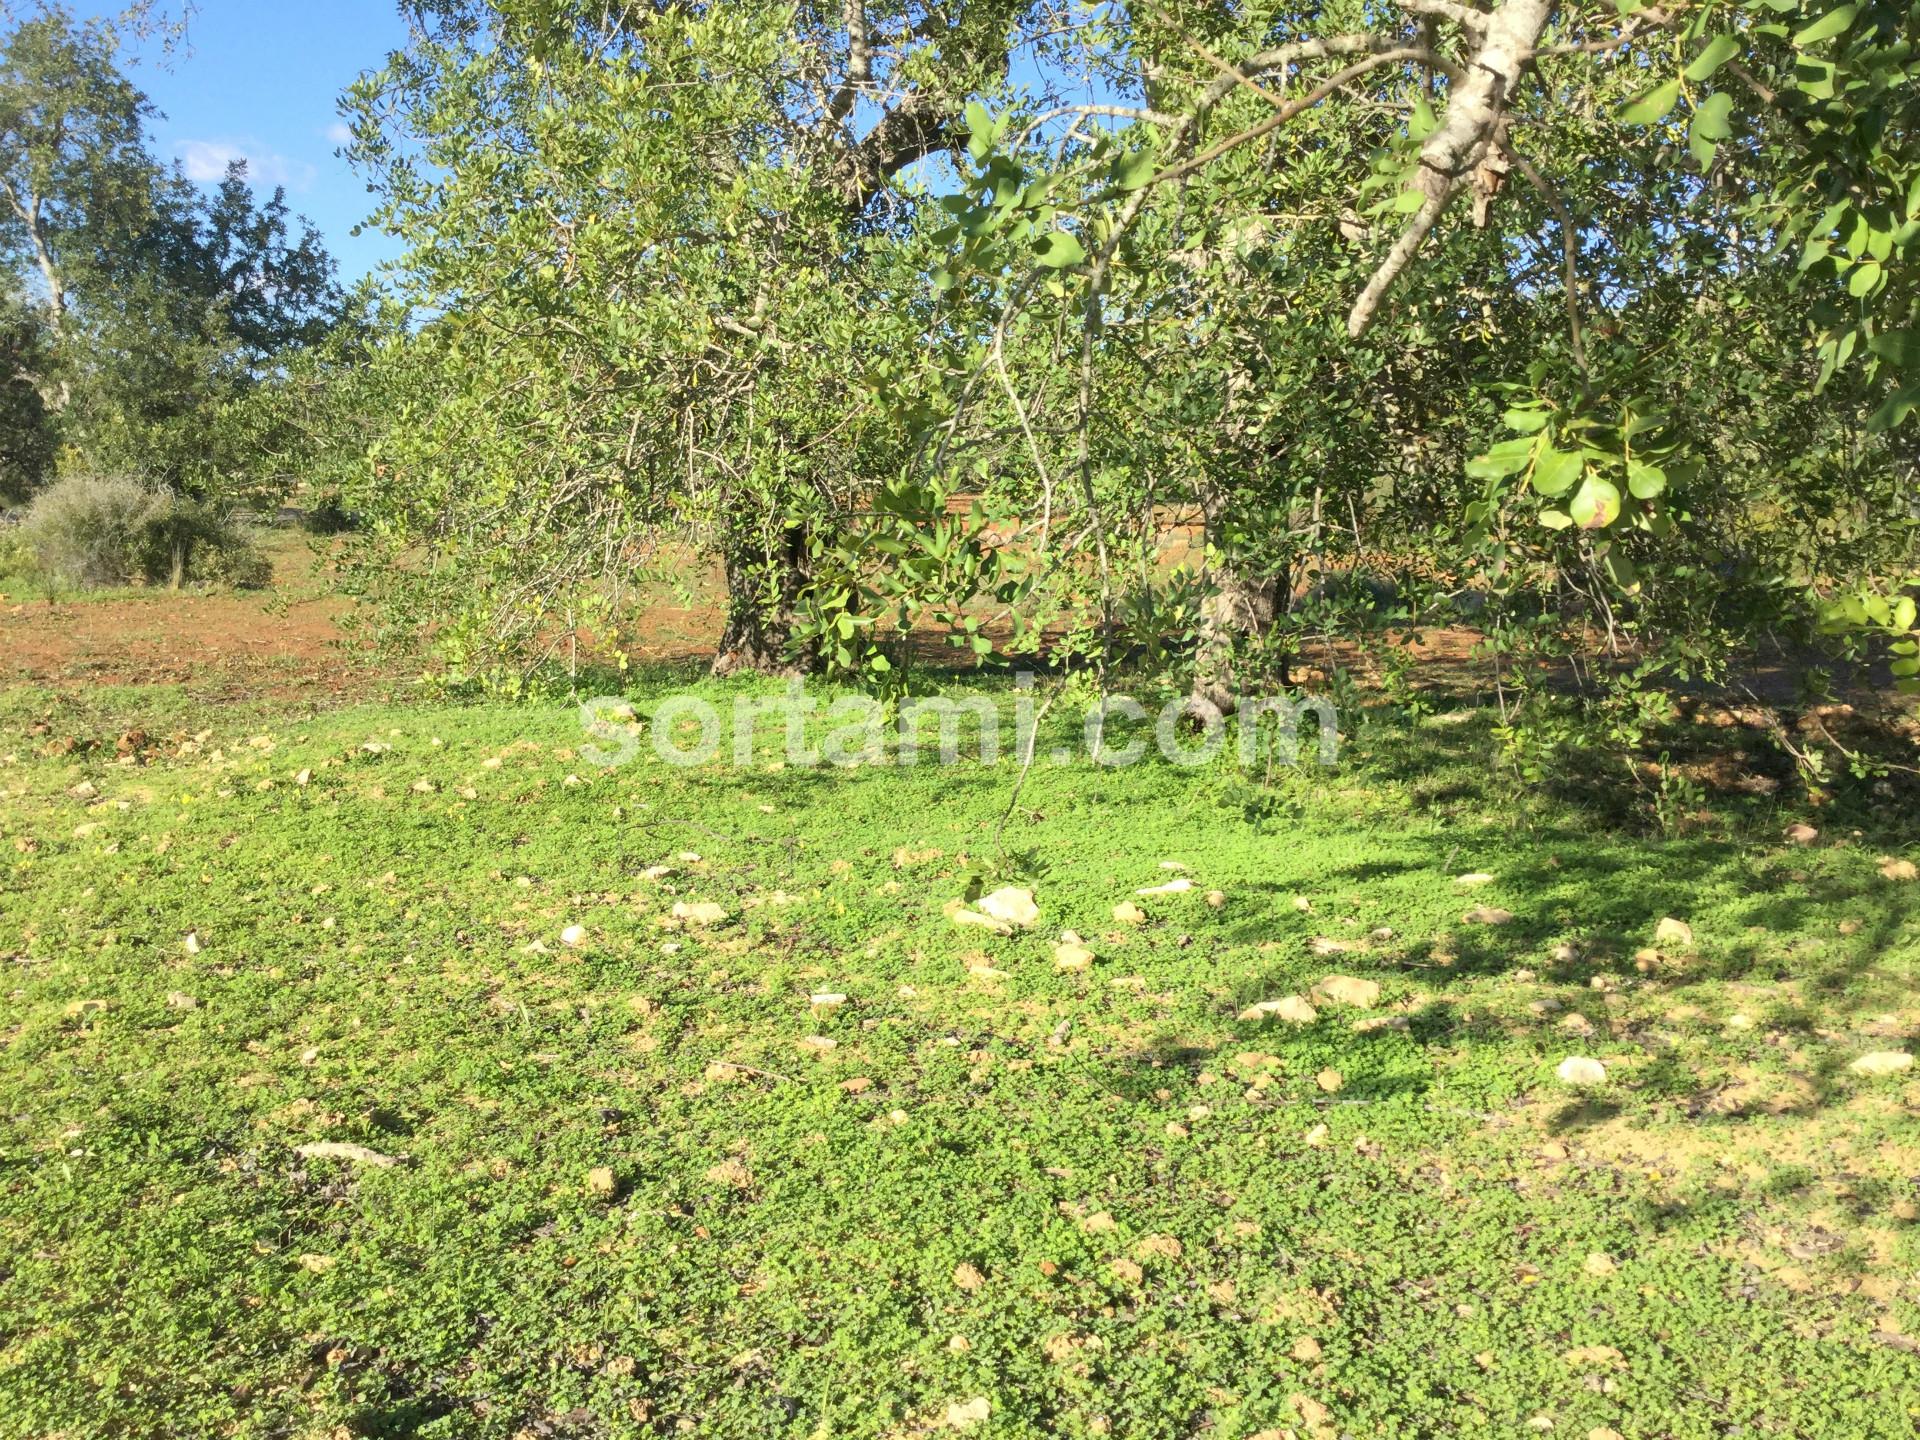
(1172, 887)
(966, 1415)
(1672, 932)
(1011, 906)
(1072, 958)
(1293, 1008)
(1347, 990)
(700, 912)
(1580, 1071)
(1478, 877)
(574, 935)
(963, 916)
(827, 1000)
(1882, 1062)
(1377, 1024)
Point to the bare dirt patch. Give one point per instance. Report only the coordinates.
(283, 640)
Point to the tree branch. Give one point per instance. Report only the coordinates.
(1569, 249)
(859, 61)
(1473, 113)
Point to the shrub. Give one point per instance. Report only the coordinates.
(94, 530)
(16, 555)
(330, 517)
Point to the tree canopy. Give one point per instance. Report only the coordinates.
(1591, 317)
(145, 311)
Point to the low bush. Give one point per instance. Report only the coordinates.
(16, 555)
(101, 530)
(330, 517)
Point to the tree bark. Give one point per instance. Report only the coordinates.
(1239, 608)
(1463, 138)
(767, 568)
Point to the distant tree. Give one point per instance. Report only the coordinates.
(159, 307)
(76, 177)
(26, 436)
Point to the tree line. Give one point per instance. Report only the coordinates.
(141, 315)
(1589, 324)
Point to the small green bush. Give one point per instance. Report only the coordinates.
(104, 530)
(330, 517)
(16, 555)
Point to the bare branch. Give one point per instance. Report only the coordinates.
(1465, 16)
(1111, 112)
(1474, 108)
(1292, 109)
(859, 62)
(1569, 248)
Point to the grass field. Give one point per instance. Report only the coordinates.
(643, 1185)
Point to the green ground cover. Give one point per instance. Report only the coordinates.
(643, 1185)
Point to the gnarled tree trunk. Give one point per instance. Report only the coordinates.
(767, 568)
(1237, 610)
(1240, 607)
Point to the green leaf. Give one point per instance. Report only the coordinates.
(1526, 422)
(1555, 471)
(1651, 106)
(1863, 280)
(1901, 348)
(1596, 505)
(1131, 169)
(1645, 481)
(1895, 409)
(1057, 249)
(1619, 568)
(1720, 49)
(1814, 78)
(1834, 22)
(1421, 123)
(1709, 126)
(1555, 519)
(1509, 457)
(980, 131)
(1712, 118)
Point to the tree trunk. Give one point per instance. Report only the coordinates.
(1240, 608)
(766, 571)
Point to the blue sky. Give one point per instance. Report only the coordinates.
(260, 81)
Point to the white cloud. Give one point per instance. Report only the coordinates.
(206, 162)
(339, 133)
